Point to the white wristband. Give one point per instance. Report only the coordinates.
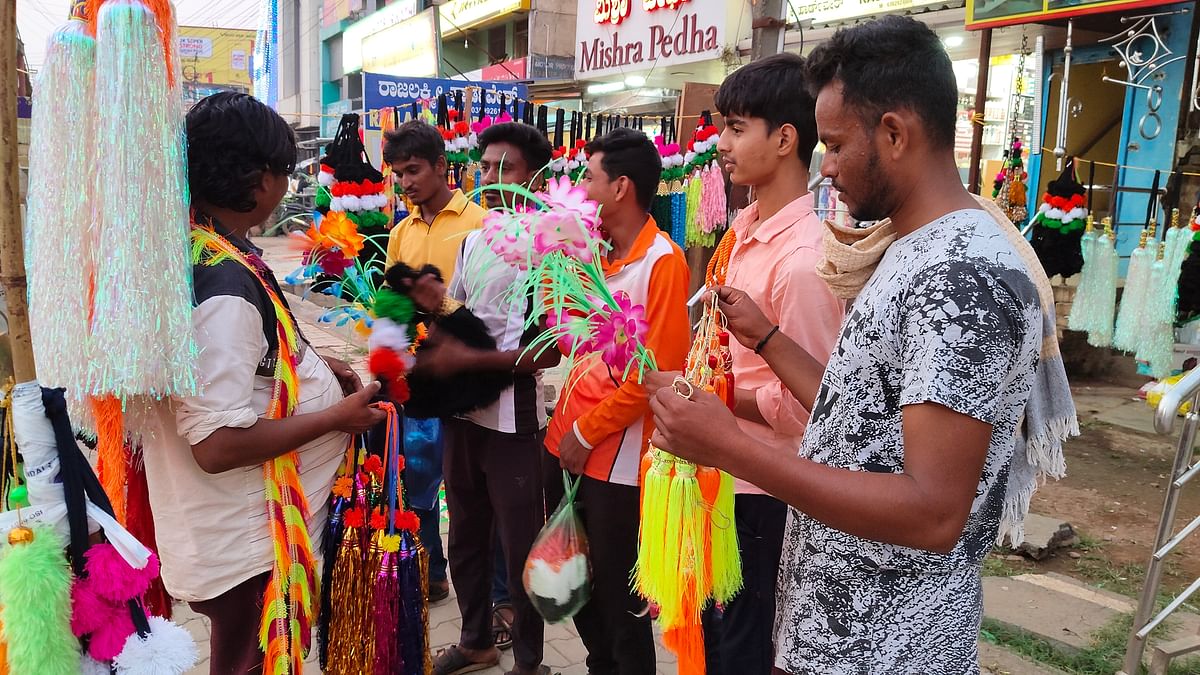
(579, 436)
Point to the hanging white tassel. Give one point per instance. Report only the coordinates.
(167, 650)
(142, 335)
(1131, 317)
(1101, 334)
(1083, 309)
(60, 233)
(90, 666)
(1157, 340)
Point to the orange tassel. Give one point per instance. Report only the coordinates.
(686, 642)
(710, 485)
(110, 448)
(92, 12)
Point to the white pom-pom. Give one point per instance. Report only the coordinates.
(167, 650)
(335, 204)
(381, 201)
(572, 165)
(387, 334)
(325, 178)
(90, 666)
(351, 203)
(689, 157)
(472, 140)
(1077, 213)
(1056, 214)
(1044, 208)
(409, 360)
(449, 146)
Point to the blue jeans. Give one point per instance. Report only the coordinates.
(499, 572)
(431, 537)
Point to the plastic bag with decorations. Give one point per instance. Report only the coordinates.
(1155, 394)
(558, 576)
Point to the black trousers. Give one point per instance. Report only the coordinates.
(740, 639)
(615, 624)
(493, 484)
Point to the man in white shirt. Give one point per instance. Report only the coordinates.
(493, 455)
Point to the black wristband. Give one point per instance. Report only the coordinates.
(763, 342)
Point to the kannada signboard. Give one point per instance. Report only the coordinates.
(993, 13)
(623, 36)
(831, 11)
(383, 91)
(215, 56)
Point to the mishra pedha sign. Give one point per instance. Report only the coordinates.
(624, 36)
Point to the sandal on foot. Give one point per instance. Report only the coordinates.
(502, 626)
(453, 661)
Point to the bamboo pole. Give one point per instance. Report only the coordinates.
(12, 254)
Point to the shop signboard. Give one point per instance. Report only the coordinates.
(218, 56)
(833, 11)
(459, 16)
(993, 13)
(624, 36)
(355, 33)
(410, 47)
(384, 91)
(507, 71)
(543, 67)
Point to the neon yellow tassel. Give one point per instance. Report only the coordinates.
(683, 525)
(723, 546)
(652, 565)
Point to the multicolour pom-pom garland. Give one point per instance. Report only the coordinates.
(1059, 224)
(1009, 187)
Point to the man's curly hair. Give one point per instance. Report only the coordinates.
(232, 139)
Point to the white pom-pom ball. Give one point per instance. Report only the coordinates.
(335, 204)
(387, 334)
(325, 178)
(352, 203)
(167, 650)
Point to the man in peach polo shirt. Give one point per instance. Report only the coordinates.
(769, 136)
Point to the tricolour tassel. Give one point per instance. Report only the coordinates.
(141, 344)
(35, 605)
(652, 560)
(60, 232)
(723, 544)
(112, 460)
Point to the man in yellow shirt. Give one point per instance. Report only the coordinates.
(441, 217)
(430, 235)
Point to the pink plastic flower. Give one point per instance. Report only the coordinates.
(507, 234)
(570, 223)
(574, 332)
(618, 335)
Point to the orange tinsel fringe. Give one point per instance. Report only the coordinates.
(164, 14)
(110, 447)
(687, 643)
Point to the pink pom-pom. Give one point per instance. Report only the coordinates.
(113, 579)
(88, 610)
(108, 640)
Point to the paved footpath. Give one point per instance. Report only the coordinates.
(564, 652)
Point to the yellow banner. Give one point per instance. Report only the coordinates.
(216, 56)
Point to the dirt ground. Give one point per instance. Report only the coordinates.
(1113, 495)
